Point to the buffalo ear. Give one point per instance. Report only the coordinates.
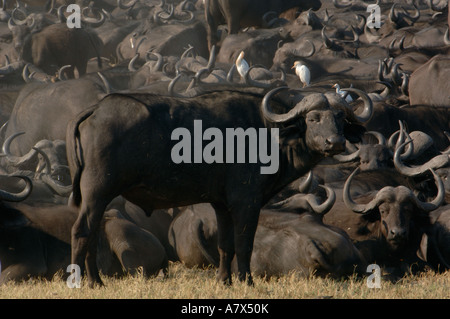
(354, 132)
(422, 251)
(290, 134)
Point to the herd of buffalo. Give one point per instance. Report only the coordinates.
(91, 93)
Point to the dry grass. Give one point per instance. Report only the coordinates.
(183, 283)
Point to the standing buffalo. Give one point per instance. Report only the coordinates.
(124, 146)
(245, 13)
(58, 45)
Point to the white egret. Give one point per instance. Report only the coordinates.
(242, 65)
(302, 72)
(348, 98)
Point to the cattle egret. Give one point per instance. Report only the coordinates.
(348, 98)
(242, 65)
(302, 72)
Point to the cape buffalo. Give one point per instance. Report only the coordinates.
(124, 145)
(391, 224)
(290, 236)
(246, 13)
(57, 45)
(35, 240)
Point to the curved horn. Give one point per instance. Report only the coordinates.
(47, 178)
(168, 15)
(191, 17)
(159, 61)
(401, 139)
(26, 76)
(381, 71)
(348, 157)
(414, 17)
(61, 74)
(273, 117)
(3, 129)
(17, 161)
(131, 67)
(189, 50)
(393, 15)
(341, 5)
(380, 137)
(434, 163)
(106, 84)
(18, 197)
(172, 83)
(15, 20)
(396, 78)
(212, 58)
(327, 41)
(60, 12)
(231, 73)
(348, 201)
(11, 24)
(367, 112)
(93, 22)
(306, 184)
(363, 22)
(325, 207)
(124, 6)
(249, 81)
(307, 103)
(447, 37)
(437, 201)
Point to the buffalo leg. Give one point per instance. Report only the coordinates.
(211, 27)
(245, 223)
(225, 243)
(85, 239)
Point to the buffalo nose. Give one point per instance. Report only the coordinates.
(397, 233)
(335, 142)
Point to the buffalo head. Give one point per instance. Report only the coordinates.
(19, 33)
(322, 121)
(397, 208)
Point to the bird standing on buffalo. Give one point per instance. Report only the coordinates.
(303, 73)
(242, 65)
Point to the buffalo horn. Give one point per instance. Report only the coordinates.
(434, 163)
(325, 207)
(437, 201)
(367, 112)
(18, 197)
(348, 201)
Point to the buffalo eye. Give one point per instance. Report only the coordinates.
(384, 211)
(313, 117)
